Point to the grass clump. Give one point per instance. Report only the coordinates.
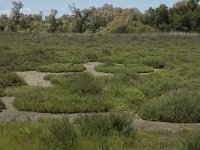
(108, 131)
(181, 106)
(86, 84)
(58, 67)
(192, 141)
(159, 83)
(8, 79)
(154, 62)
(120, 68)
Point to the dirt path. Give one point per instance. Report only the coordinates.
(37, 78)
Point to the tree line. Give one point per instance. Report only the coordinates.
(184, 16)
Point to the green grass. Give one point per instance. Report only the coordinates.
(160, 83)
(192, 141)
(112, 131)
(160, 140)
(154, 62)
(101, 131)
(9, 79)
(180, 106)
(58, 67)
(120, 68)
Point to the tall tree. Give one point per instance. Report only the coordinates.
(52, 21)
(17, 6)
(80, 17)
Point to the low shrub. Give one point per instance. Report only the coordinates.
(108, 131)
(58, 67)
(61, 135)
(154, 62)
(92, 57)
(86, 84)
(180, 106)
(104, 125)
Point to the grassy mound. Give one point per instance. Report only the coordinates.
(78, 93)
(181, 106)
(154, 62)
(58, 67)
(120, 68)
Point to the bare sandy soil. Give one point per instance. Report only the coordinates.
(90, 68)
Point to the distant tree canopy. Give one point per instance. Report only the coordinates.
(183, 16)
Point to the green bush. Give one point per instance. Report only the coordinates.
(61, 135)
(92, 57)
(58, 67)
(181, 106)
(154, 62)
(104, 125)
(108, 131)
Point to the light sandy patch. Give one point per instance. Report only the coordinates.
(90, 67)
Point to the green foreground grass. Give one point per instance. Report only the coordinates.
(112, 131)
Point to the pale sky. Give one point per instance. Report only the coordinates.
(34, 6)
